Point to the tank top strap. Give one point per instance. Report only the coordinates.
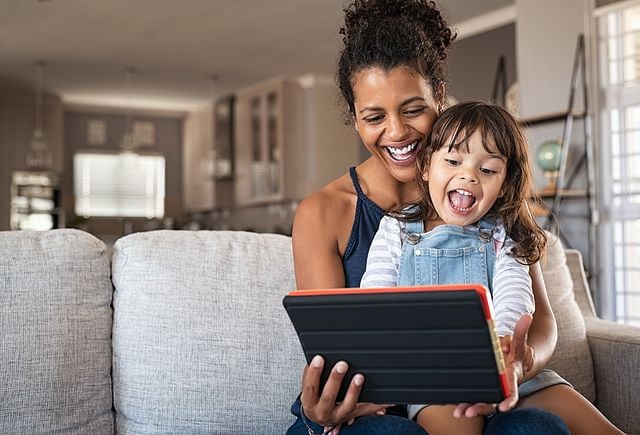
(365, 224)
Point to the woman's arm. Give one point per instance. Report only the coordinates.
(316, 253)
(543, 333)
(318, 264)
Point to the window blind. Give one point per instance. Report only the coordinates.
(119, 185)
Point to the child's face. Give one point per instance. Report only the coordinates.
(464, 185)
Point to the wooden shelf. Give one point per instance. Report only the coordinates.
(564, 193)
(551, 117)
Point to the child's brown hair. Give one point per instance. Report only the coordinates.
(500, 132)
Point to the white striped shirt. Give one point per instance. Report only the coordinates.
(512, 292)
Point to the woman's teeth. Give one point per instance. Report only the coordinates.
(403, 153)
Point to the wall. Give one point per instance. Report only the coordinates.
(546, 37)
(545, 41)
(168, 136)
(474, 62)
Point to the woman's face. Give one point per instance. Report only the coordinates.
(394, 112)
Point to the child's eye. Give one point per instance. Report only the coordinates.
(452, 162)
(487, 171)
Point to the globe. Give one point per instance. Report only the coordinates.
(548, 156)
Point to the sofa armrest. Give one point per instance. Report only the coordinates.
(615, 349)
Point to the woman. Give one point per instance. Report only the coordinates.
(391, 74)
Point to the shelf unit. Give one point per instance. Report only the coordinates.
(563, 190)
(35, 201)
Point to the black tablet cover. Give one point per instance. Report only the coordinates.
(424, 344)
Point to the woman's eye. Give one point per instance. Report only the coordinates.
(415, 112)
(374, 119)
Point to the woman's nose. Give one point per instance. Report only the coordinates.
(396, 128)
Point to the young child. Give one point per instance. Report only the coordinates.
(474, 181)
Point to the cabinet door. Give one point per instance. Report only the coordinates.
(259, 146)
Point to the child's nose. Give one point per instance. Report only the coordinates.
(468, 175)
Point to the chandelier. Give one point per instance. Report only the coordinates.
(39, 155)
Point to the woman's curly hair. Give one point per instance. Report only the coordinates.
(392, 33)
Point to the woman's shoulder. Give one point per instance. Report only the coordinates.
(328, 212)
(330, 199)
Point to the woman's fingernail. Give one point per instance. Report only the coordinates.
(316, 361)
(358, 379)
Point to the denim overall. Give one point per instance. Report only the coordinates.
(448, 254)
(451, 254)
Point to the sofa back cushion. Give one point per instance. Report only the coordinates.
(201, 342)
(572, 357)
(55, 333)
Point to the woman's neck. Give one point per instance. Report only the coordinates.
(382, 188)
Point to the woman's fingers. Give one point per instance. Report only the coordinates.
(319, 401)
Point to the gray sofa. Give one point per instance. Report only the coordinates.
(184, 332)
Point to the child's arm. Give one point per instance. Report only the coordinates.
(383, 261)
(512, 291)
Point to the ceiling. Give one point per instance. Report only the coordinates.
(174, 46)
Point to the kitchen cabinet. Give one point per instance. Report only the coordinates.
(290, 140)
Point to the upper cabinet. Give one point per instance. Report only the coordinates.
(290, 140)
(269, 133)
(208, 144)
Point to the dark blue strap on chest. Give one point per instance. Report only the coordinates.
(365, 224)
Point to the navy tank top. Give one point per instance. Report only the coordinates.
(365, 225)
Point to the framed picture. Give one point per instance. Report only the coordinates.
(145, 133)
(96, 132)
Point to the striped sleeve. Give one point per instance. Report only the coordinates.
(383, 261)
(512, 289)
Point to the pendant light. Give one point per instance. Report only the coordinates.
(128, 143)
(39, 155)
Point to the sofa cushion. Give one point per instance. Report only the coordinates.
(55, 340)
(201, 342)
(572, 357)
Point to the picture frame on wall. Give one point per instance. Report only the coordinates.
(96, 132)
(145, 133)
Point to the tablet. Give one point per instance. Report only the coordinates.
(423, 344)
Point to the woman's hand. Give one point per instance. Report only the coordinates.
(519, 358)
(319, 404)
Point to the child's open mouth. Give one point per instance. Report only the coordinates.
(403, 154)
(461, 200)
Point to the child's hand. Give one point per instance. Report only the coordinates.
(527, 363)
(518, 359)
